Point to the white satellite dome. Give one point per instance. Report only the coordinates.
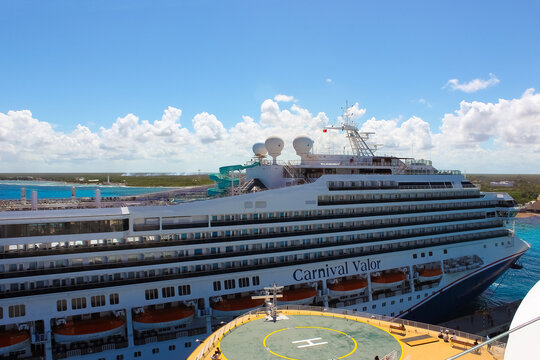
(274, 145)
(259, 150)
(303, 145)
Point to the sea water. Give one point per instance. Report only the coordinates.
(515, 283)
(11, 190)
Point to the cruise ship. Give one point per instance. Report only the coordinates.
(369, 233)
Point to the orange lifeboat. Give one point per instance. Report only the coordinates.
(161, 318)
(85, 330)
(11, 341)
(298, 296)
(235, 307)
(388, 280)
(348, 287)
(426, 275)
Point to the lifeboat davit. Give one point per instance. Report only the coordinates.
(426, 275)
(11, 341)
(85, 330)
(348, 287)
(387, 281)
(157, 319)
(235, 307)
(298, 296)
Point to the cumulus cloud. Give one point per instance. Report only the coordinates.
(473, 85)
(208, 128)
(284, 98)
(478, 136)
(513, 122)
(328, 80)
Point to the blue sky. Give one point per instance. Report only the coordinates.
(90, 63)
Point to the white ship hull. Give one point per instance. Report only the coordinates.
(351, 222)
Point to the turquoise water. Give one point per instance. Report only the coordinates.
(514, 284)
(11, 190)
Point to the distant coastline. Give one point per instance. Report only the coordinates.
(526, 214)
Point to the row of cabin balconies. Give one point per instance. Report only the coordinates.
(24, 269)
(189, 270)
(182, 239)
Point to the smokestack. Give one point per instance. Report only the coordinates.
(23, 196)
(34, 200)
(98, 198)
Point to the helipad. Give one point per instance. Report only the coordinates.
(306, 334)
(308, 337)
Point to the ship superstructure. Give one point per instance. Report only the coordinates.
(368, 233)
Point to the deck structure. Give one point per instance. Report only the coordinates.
(317, 333)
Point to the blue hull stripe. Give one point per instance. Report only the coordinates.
(435, 308)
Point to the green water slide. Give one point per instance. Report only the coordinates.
(224, 181)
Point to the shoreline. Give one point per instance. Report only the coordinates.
(526, 214)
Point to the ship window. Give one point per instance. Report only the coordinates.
(400, 300)
(184, 290)
(255, 280)
(172, 347)
(229, 284)
(151, 294)
(137, 354)
(188, 344)
(373, 306)
(167, 291)
(364, 308)
(120, 357)
(243, 282)
(146, 224)
(410, 298)
(414, 256)
(384, 304)
(445, 251)
(431, 253)
(392, 302)
(98, 300)
(155, 350)
(217, 285)
(78, 303)
(61, 305)
(418, 296)
(423, 254)
(113, 299)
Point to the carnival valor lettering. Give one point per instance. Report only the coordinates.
(328, 271)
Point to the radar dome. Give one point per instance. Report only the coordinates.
(274, 145)
(259, 150)
(303, 145)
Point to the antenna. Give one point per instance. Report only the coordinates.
(356, 139)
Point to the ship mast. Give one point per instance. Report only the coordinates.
(356, 138)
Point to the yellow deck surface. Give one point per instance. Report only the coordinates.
(416, 343)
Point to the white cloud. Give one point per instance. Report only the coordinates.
(208, 128)
(328, 80)
(473, 85)
(481, 137)
(514, 123)
(424, 102)
(284, 98)
(354, 112)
